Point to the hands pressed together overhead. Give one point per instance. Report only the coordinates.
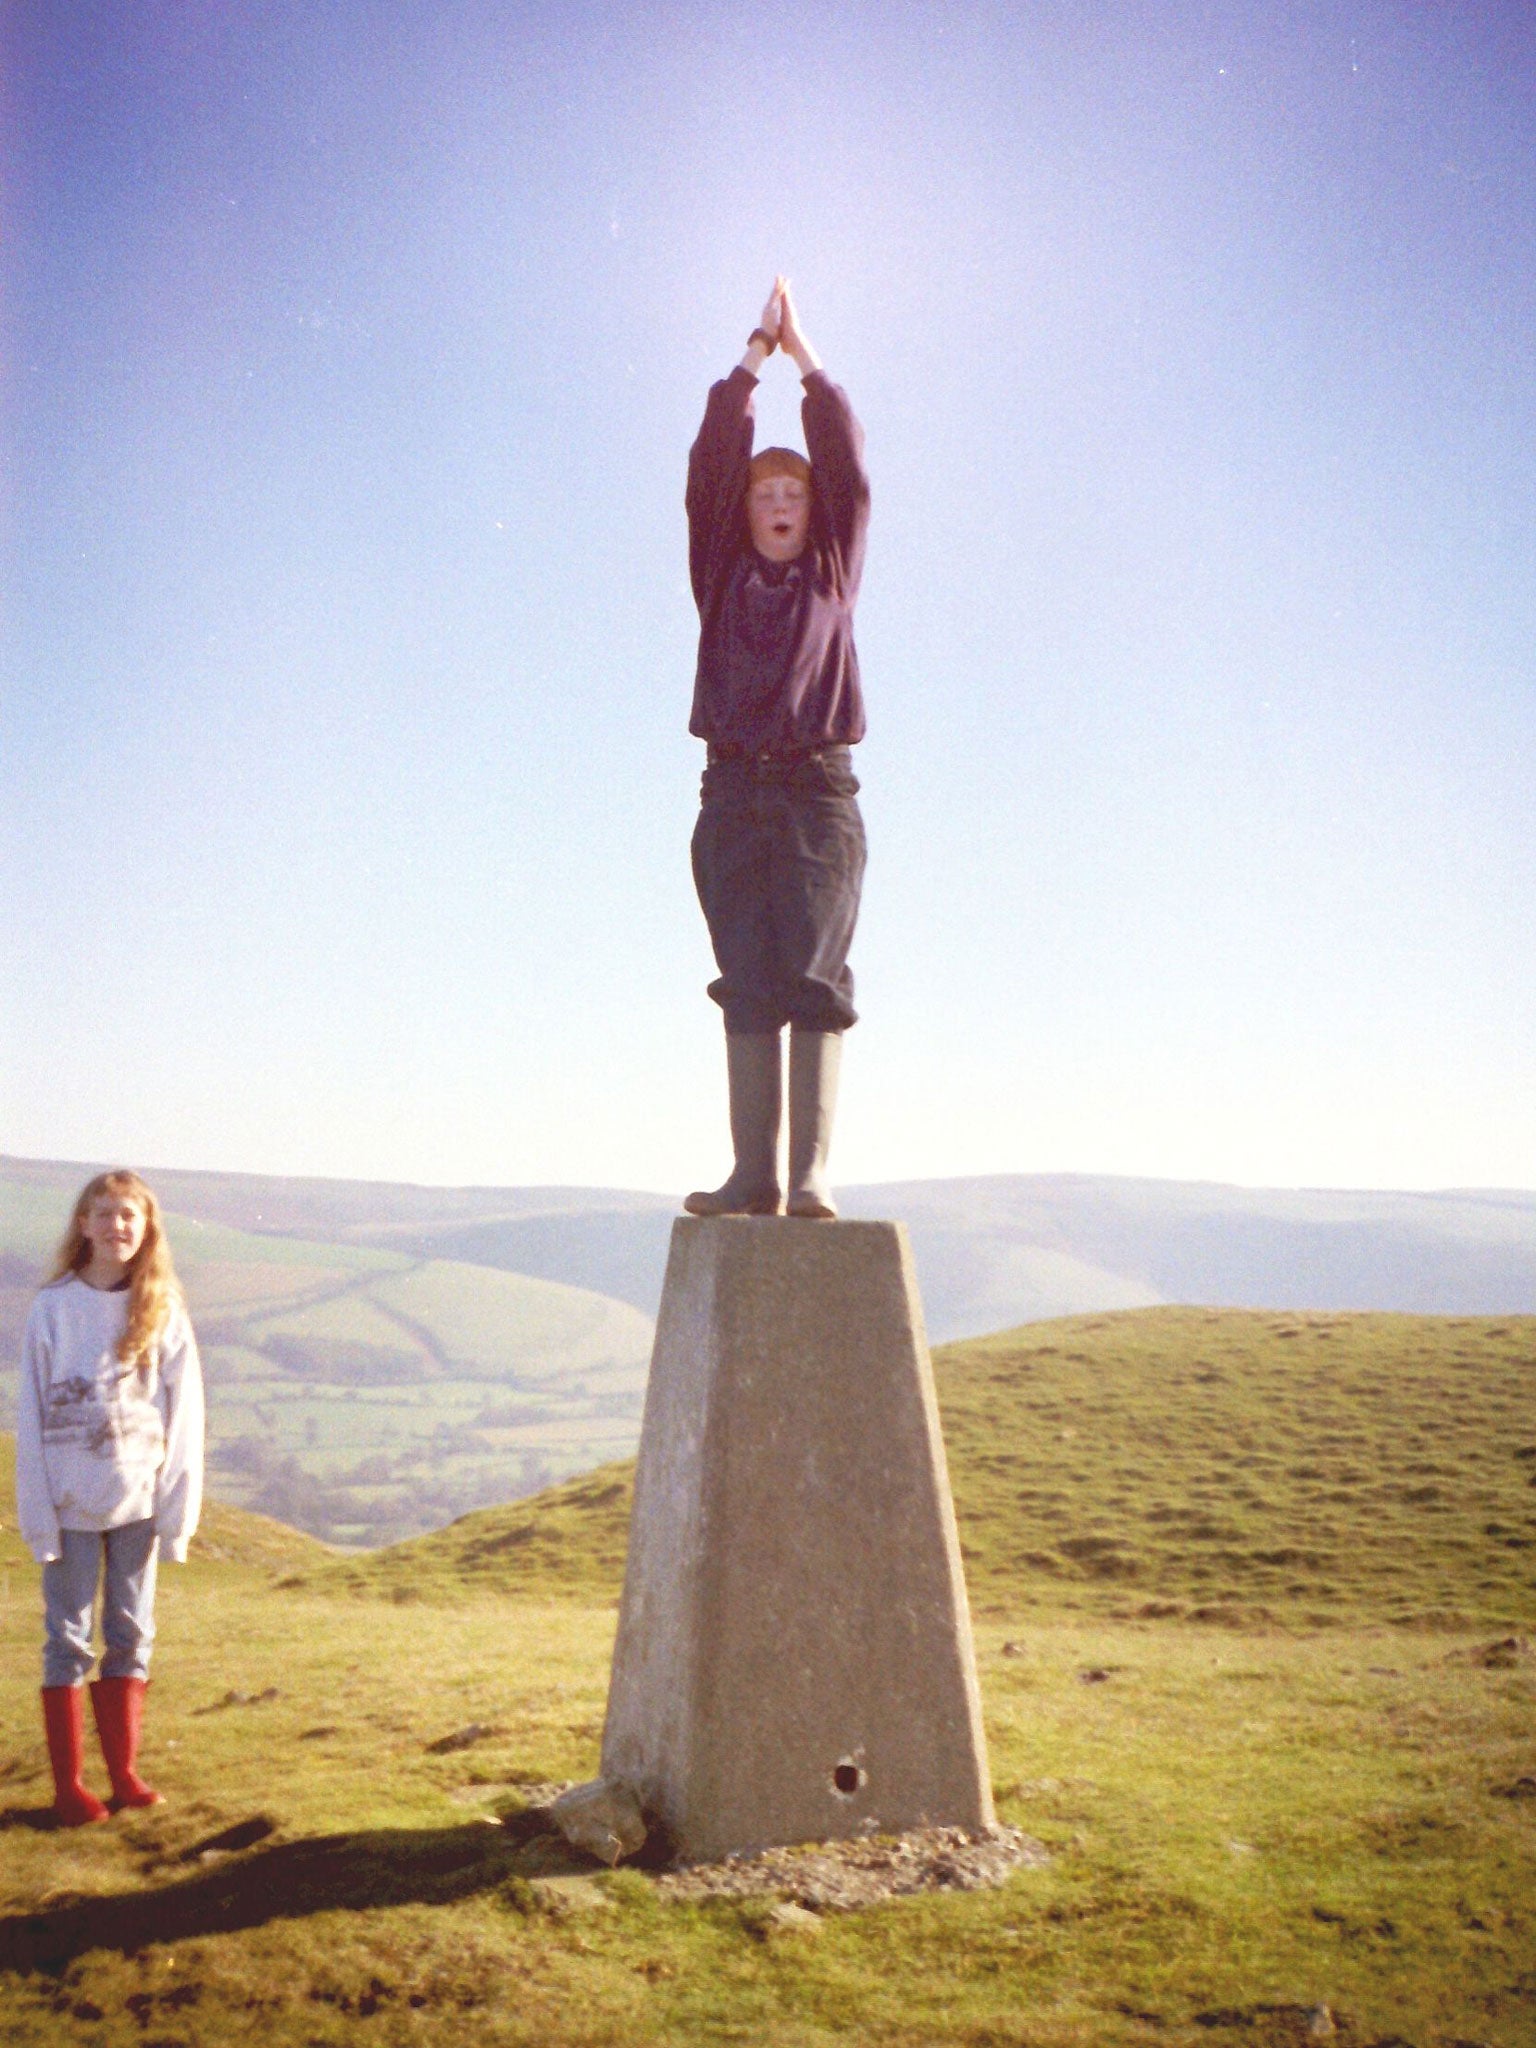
(780, 327)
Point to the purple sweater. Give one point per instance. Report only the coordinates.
(777, 668)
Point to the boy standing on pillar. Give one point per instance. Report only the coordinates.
(775, 549)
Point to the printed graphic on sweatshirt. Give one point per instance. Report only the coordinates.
(108, 1415)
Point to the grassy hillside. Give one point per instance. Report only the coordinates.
(1306, 1464)
(1207, 1462)
(1267, 1833)
(568, 1542)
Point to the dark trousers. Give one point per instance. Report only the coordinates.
(778, 860)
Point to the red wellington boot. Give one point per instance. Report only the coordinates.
(64, 1720)
(118, 1704)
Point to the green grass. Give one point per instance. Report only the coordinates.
(1314, 1467)
(1248, 1817)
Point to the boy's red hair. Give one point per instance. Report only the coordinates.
(778, 462)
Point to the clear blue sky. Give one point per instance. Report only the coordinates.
(351, 357)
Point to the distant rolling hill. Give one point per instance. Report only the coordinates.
(384, 1357)
(1013, 1248)
(991, 1251)
(329, 1208)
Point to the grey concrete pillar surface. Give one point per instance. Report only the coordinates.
(794, 1656)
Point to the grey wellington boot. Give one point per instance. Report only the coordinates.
(814, 1060)
(753, 1068)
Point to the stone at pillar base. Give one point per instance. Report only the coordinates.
(794, 1657)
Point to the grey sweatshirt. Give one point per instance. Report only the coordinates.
(99, 1443)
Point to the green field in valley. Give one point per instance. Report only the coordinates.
(1254, 1600)
(362, 1394)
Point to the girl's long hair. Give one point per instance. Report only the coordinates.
(153, 1289)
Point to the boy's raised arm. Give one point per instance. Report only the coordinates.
(834, 441)
(765, 335)
(792, 336)
(718, 459)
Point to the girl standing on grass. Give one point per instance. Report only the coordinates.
(109, 1468)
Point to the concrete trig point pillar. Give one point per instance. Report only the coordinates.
(794, 1656)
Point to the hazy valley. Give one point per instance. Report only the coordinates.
(383, 1357)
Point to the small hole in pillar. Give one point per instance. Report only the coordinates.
(846, 1777)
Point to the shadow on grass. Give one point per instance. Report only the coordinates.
(327, 1873)
(40, 1819)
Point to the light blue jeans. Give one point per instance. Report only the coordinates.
(127, 1604)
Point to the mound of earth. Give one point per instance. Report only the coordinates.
(822, 1877)
(838, 1877)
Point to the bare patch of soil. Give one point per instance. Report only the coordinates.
(839, 1877)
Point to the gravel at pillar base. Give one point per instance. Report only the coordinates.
(794, 1659)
